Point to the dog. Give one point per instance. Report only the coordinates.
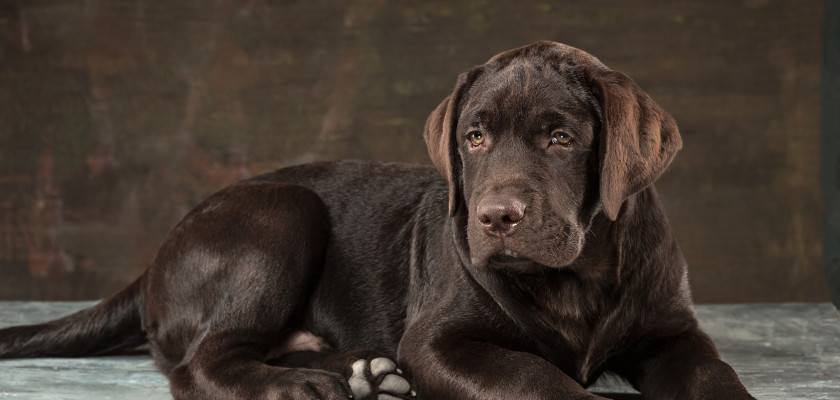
(542, 260)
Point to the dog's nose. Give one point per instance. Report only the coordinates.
(500, 215)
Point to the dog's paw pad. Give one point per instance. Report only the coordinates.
(394, 384)
(380, 378)
(359, 384)
(382, 365)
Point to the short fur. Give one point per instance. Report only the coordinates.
(531, 269)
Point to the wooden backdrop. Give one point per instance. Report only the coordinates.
(117, 116)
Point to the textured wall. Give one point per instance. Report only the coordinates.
(117, 116)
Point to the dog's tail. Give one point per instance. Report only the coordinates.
(113, 324)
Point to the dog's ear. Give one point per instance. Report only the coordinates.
(441, 140)
(639, 139)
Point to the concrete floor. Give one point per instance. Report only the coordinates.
(780, 351)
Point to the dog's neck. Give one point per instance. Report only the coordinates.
(544, 300)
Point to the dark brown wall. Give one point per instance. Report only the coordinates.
(830, 144)
(118, 116)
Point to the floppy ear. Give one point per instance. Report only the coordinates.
(639, 139)
(440, 132)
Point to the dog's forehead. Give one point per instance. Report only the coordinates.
(528, 85)
(528, 77)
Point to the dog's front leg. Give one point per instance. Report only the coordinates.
(687, 367)
(449, 365)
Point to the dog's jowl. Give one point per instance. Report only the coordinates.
(534, 257)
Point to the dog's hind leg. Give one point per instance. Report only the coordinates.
(228, 365)
(229, 284)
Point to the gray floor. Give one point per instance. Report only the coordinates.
(781, 351)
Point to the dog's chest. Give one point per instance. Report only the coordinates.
(582, 327)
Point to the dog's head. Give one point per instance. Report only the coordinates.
(538, 141)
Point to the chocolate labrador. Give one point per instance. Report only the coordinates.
(542, 260)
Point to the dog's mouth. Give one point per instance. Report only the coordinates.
(525, 256)
(507, 257)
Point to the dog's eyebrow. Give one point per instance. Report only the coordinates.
(553, 114)
(558, 116)
(481, 118)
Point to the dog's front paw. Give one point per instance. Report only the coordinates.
(379, 379)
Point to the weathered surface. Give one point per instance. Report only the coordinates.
(115, 377)
(117, 116)
(780, 351)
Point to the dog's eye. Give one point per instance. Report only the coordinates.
(561, 138)
(476, 137)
